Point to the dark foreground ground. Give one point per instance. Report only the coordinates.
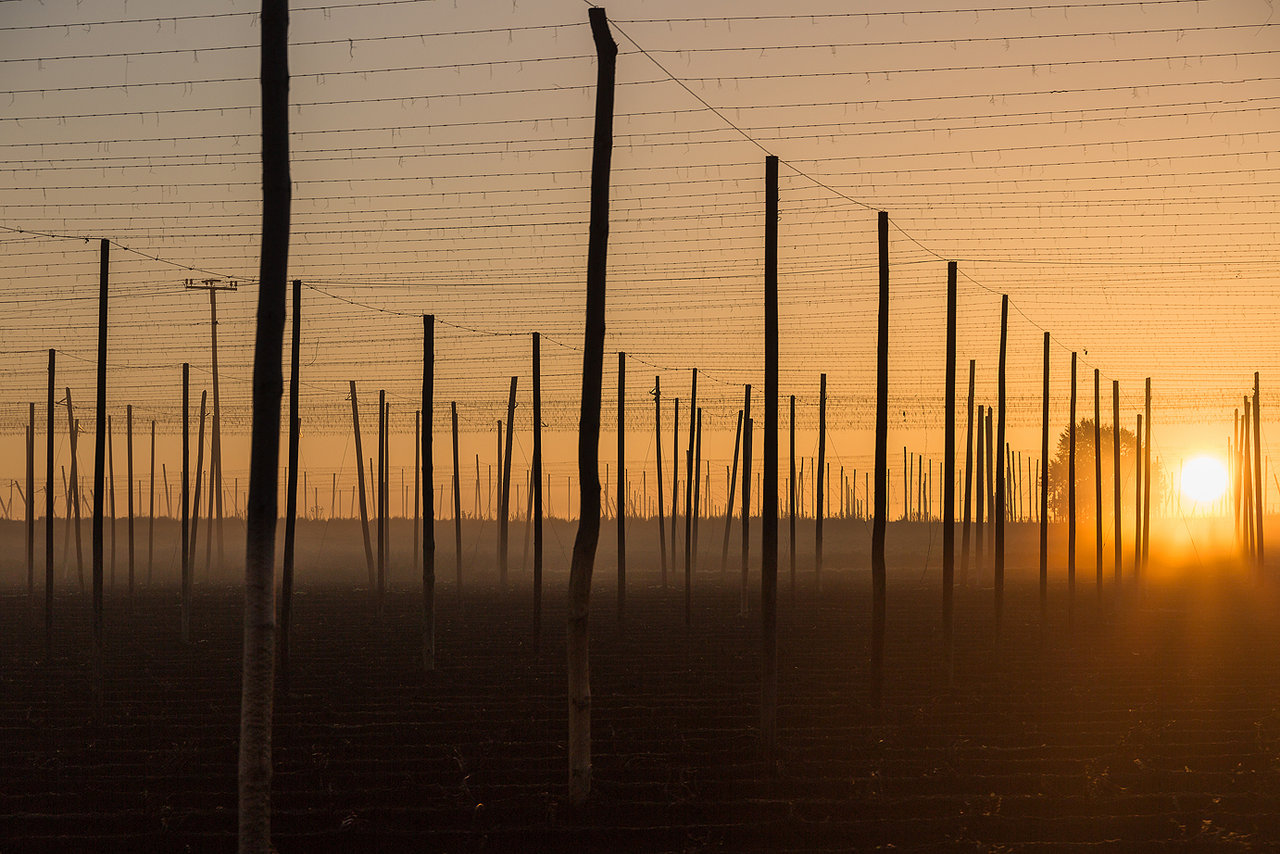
(1153, 729)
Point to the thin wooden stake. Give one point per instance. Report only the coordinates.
(1097, 478)
(1044, 497)
(364, 507)
(747, 424)
(878, 575)
(968, 482)
(426, 459)
(949, 477)
(186, 503)
(621, 504)
(48, 513)
(1071, 495)
(1115, 453)
(728, 508)
(537, 489)
(820, 491)
(657, 440)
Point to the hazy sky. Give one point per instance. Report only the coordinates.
(1108, 165)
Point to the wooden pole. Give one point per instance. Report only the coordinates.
(186, 503)
(49, 488)
(878, 575)
(584, 545)
(151, 511)
(980, 495)
(99, 653)
(73, 496)
(690, 482)
(791, 495)
(291, 490)
(675, 478)
(31, 503)
(1259, 478)
(747, 424)
(537, 488)
(769, 499)
(364, 507)
(257, 689)
(1097, 478)
(1000, 470)
(128, 431)
(195, 497)
(457, 509)
(417, 484)
(1071, 494)
(819, 509)
(621, 503)
(425, 465)
(1044, 496)
(657, 440)
(215, 445)
(968, 481)
(1137, 502)
(504, 519)
(949, 476)
(111, 495)
(1115, 453)
(1146, 480)
(728, 508)
(382, 504)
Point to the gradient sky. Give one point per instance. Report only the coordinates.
(1108, 165)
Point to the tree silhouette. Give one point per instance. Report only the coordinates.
(1085, 469)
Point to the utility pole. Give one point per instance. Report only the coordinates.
(215, 445)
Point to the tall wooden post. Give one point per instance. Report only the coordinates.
(1000, 469)
(1146, 480)
(195, 496)
(690, 482)
(128, 431)
(1097, 477)
(769, 498)
(186, 503)
(1044, 495)
(1259, 474)
(820, 491)
(728, 507)
(980, 494)
(504, 520)
(747, 424)
(949, 475)
(417, 485)
(364, 507)
(791, 495)
(291, 489)
(426, 454)
(878, 575)
(1071, 494)
(968, 480)
(151, 510)
(457, 512)
(382, 504)
(31, 503)
(1115, 453)
(584, 545)
(73, 494)
(621, 503)
(696, 517)
(257, 687)
(657, 443)
(48, 512)
(1137, 501)
(111, 496)
(675, 479)
(537, 487)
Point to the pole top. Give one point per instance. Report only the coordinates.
(211, 284)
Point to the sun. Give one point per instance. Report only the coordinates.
(1204, 479)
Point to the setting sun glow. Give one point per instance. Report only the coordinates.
(1204, 479)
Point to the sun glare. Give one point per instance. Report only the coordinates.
(1204, 479)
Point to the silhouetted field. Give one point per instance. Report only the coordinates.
(1153, 724)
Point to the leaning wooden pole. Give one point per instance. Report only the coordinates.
(584, 543)
(878, 575)
(1115, 454)
(291, 491)
(364, 507)
(195, 496)
(504, 510)
(1000, 508)
(949, 476)
(728, 507)
(1259, 475)
(264, 455)
(428, 480)
(769, 497)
